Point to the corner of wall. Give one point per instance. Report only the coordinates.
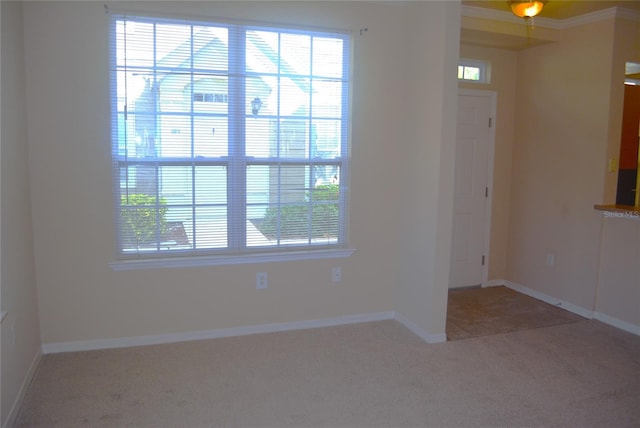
(11, 417)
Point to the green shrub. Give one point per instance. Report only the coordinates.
(141, 226)
(294, 219)
(326, 192)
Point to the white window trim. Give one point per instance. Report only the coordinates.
(157, 260)
(178, 262)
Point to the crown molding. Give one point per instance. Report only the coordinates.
(555, 24)
(631, 15)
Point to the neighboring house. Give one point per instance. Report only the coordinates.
(199, 106)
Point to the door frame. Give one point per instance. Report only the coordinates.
(492, 95)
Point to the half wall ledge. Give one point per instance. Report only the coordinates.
(619, 211)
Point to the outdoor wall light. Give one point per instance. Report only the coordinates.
(256, 105)
(526, 9)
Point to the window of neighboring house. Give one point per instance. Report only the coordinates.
(473, 71)
(228, 139)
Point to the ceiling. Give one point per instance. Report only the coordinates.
(553, 9)
(559, 9)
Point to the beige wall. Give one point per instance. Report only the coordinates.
(424, 181)
(20, 329)
(68, 95)
(503, 82)
(619, 275)
(554, 137)
(618, 294)
(558, 169)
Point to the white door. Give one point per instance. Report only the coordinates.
(471, 192)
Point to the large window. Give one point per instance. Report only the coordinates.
(228, 138)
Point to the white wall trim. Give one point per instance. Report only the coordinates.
(615, 322)
(589, 314)
(178, 262)
(418, 331)
(631, 15)
(563, 304)
(124, 342)
(493, 283)
(17, 404)
(589, 18)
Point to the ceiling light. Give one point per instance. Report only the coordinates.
(526, 9)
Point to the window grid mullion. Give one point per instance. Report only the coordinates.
(194, 221)
(344, 148)
(156, 165)
(310, 146)
(236, 181)
(278, 142)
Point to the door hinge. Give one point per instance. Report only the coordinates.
(486, 192)
(490, 121)
(482, 260)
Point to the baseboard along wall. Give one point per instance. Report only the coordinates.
(124, 342)
(578, 310)
(87, 345)
(418, 331)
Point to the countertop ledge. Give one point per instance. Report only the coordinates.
(621, 211)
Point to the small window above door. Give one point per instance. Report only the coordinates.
(470, 70)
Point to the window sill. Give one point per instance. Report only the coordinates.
(178, 262)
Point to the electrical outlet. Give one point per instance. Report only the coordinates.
(550, 259)
(261, 280)
(336, 274)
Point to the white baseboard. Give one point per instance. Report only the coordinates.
(493, 283)
(17, 403)
(427, 337)
(563, 304)
(615, 322)
(124, 342)
(589, 314)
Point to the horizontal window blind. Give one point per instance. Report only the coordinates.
(228, 138)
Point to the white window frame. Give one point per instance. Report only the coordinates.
(237, 251)
(482, 66)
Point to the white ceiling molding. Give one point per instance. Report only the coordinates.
(590, 18)
(631, 15)
(555, 24)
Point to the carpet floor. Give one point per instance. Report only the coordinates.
(379, 374)
(474, 312)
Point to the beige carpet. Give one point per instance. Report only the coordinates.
(582, 374)
(474, 312)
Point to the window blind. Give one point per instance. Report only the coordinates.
(228, 138)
